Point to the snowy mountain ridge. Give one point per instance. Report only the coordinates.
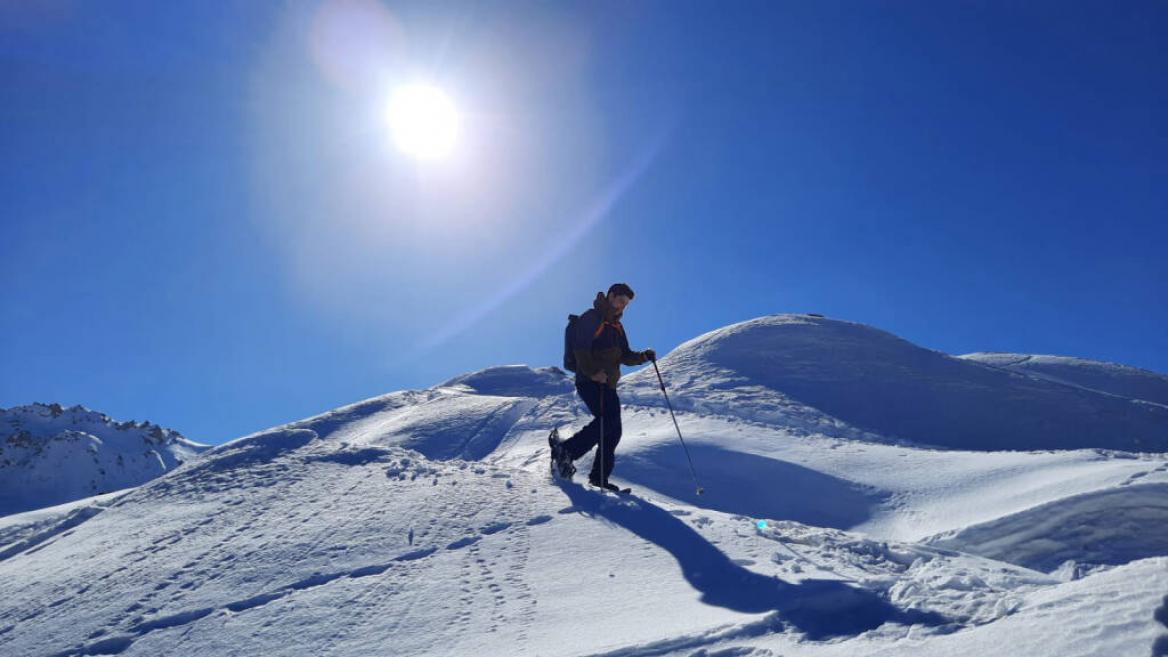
(829, 373)
(424, 522)
(1112, 378)
(50, 454)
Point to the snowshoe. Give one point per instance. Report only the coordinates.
(561, 464)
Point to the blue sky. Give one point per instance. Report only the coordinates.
(206, 224)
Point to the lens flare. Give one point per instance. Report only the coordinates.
(545, 258)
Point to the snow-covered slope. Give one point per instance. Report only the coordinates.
(1109, 526)
(425, 523)
(50, 454)
(1122, 380)
(288, 542)
(782, 366)
(514, 381)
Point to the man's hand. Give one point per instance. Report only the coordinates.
(600, 377)
(649, 354)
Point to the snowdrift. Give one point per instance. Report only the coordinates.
(889, 387)
(1076, 534)
(444, 422)
(515, 381)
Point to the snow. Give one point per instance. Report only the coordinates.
(869, 380)
(514, 381)
(1112, 526)
(1113, 378)
(50, 454)
(425, 522)
(894, 491)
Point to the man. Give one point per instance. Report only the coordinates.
(600, 347)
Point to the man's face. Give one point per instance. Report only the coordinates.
(618, 302)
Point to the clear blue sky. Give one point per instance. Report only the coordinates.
(206, 223)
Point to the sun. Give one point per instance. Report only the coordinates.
(423, 120)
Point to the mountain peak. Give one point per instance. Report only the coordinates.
(879, 383)
(50, 454)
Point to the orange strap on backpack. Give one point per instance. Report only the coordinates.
(616, 325)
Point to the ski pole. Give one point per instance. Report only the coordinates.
(693, 472)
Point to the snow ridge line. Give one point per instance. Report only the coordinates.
(119, 644)
(1068, 526)
(38, 540)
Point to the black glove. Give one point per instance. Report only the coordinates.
(649, 354)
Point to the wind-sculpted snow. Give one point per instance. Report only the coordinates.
(442, 422)
(882, 384)
(1112, 378)
(1076, 534)
(1110, 613)
(967, 589)
(33, 538)
(515, 381)
(259, 448)
(325, 424)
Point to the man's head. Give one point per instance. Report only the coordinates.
(619, 296)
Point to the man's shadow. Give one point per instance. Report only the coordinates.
(821, 609)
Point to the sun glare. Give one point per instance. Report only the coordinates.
(423, 120)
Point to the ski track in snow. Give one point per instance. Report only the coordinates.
(475, 569)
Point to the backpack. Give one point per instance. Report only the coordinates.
(569, 353)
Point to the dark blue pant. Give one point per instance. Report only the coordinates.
(588, 437)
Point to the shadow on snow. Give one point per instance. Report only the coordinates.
(750, 485)
(821, 609)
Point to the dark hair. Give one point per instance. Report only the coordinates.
(619, 289)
